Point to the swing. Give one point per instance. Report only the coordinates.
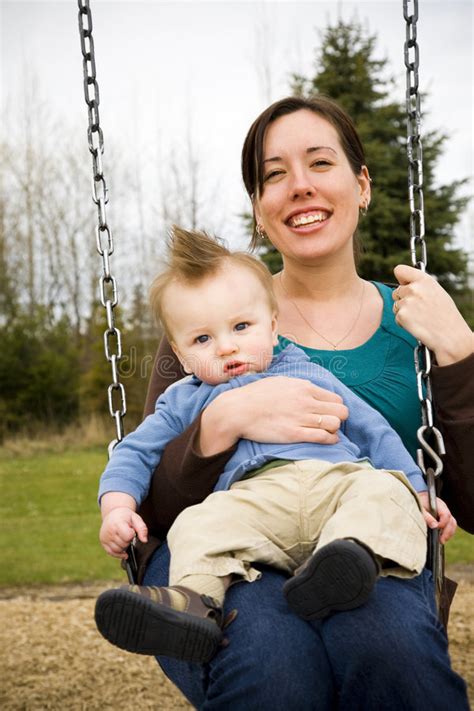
(430, 438)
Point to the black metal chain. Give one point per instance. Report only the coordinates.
(430, 438)
(104, 239)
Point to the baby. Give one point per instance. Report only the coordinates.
(333, 516)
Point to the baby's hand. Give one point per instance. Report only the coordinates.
(446, 521)
(118, 530)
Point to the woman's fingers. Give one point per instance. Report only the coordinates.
(330, 411)
(446, 523)
(449, 530)
(326, 403)
(321, 393)
(316, 434)
(430, 520)
(426, 310)
(330, 423)
(299, 411)
(323, 412)
(406, 274)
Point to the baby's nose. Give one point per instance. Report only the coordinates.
(226, 346)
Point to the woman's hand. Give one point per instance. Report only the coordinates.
(276, 409)
(446, 521)
(426, 310)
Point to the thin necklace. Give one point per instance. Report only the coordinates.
(334, 345)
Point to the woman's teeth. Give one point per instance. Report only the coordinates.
(300, 220)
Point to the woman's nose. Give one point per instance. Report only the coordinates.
(302, 185)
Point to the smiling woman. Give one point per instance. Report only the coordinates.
(309, 192)
(321, 300)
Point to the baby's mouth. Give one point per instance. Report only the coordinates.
(236, 367)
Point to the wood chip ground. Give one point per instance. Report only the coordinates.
(52, 657)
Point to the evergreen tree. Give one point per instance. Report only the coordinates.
(39, 371)
(346, 70)
(96, 374)
(142, 336)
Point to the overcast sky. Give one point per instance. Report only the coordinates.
(167, 67)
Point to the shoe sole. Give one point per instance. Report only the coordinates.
(340, 576)
(139, 625)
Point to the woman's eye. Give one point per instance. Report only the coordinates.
(241, 326)
(321, 163)
(273, 174)
(201, 339)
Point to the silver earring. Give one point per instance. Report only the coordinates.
(261, 234)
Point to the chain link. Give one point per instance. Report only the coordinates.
(429, 437)
(104, 239)
(427, 432)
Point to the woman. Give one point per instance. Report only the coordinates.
(304, 169)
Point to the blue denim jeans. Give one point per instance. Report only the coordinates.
(388, 655)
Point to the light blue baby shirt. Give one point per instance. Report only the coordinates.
(365, 435)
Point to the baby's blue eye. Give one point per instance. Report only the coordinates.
(241, 326)
(201, 339)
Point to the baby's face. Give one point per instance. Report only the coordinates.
(223, 326)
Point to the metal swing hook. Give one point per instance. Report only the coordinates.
(431, 473)
(426, 447)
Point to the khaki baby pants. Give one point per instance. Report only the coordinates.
(283, 514)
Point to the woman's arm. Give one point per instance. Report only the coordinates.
(427, 311)
(453, 388)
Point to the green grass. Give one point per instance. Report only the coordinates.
(460, 549)
(50, 520)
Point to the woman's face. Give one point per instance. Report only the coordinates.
(309, 206)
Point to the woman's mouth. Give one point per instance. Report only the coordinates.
(310, 219)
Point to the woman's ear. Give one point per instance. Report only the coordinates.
(365, 187)
(256, 211)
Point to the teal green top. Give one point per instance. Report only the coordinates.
(381, 371)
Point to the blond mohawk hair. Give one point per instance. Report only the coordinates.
(193, 254)
(192, 257)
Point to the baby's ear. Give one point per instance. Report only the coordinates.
(275, 329)
(180, 358)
